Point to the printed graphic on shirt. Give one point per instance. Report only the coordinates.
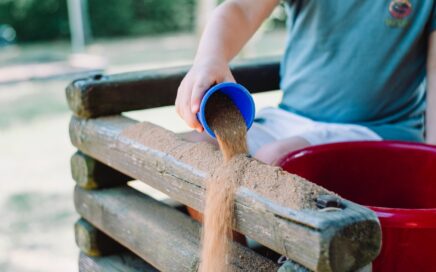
(399, 11)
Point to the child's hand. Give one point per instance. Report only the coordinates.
(200, 78)
(228, 29)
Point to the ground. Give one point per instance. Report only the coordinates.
(36, 188)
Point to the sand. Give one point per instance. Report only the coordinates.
(229, 127)
(271, 182)
(225, 172)
(224, 118)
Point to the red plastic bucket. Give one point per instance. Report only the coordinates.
(397, 180)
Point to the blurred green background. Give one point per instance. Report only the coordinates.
(37, 62)
(107, 18)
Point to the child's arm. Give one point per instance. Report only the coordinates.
(431, 91)
(229, 28)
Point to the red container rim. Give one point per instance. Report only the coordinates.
(389, 217)
(406, 218)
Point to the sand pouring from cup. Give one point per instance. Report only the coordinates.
(239, 95)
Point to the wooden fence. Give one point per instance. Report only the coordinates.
(123, 229)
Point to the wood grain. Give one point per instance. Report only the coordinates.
(339, 240)
(92, 241)
(92, 174)
(164, 237)
(105, 95)
(123, 262)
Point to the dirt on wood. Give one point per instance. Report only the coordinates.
(287, 190)
(227, 170)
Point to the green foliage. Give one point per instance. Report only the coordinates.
(111, 17)
(35, 19)
(132, 17)
(48, 19)
(166, 15)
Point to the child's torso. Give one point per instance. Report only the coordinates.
(357, 61)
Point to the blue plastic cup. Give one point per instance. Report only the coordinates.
(240, 96)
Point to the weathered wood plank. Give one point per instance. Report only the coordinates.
(340, 240)
(290, 266)
(164, 237)
(92, 241)
(105, 95)
(123, 262)
(92, 174)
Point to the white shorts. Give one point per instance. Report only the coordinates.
(272, 124)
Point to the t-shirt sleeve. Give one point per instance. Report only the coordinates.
(433, 19)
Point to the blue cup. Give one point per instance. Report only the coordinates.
(240, 96)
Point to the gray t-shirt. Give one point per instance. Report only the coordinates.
(359, 62)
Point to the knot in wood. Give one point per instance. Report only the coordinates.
(328, 201)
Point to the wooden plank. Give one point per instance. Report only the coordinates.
(123, 262)
(92, 241)
(92, 174)
(164, 237)
(340, 240)
(290, 266)
(105, 95)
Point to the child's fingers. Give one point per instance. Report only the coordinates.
(191, 119)
(183, 106)
(183, 96)
(178, 98)
(229, 77)
(197, 93)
